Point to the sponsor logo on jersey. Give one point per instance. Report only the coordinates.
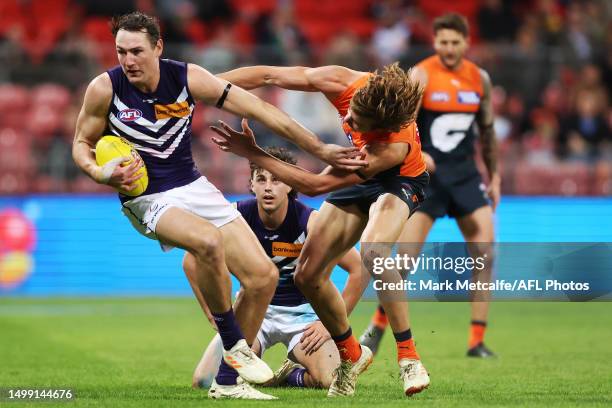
(129, 115)
(286, 249)
(468, 97)
(174, 110)
(439, 97)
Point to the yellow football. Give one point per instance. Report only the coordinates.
(111, 147)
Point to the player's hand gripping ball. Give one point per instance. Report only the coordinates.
(111, 151)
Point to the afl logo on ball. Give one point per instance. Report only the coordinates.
(129, 115)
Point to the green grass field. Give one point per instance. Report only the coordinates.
(141, 352)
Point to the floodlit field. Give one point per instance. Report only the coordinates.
(128, 352)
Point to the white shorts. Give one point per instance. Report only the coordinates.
(200, 197)
(285, 324)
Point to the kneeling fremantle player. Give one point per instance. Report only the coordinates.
(281, 223)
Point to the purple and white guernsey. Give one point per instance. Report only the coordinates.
(157, 124)
(283, 245)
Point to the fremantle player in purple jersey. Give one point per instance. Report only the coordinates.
(150, 101)
(281, 224)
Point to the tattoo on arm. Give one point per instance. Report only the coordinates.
(484, 119)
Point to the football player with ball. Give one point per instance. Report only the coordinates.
(149, 102)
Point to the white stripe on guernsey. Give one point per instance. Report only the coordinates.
(154, 126)
(291, 265)
(116, 123)
(162, 155)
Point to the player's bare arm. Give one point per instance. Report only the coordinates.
(380, 156)
(331, 80)
(206, 87)
(90, 127)
(485, 119)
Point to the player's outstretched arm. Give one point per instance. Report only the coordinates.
(332, 80)
(488, 141)
(90, 126)
(206, 87)
(380, 157)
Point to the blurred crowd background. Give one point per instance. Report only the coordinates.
(550, 62)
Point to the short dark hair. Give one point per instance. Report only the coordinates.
(137, 21)
(452, 21)
(281, 154)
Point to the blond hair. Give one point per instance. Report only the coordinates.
(389, 98)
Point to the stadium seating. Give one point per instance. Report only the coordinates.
(14, 105)
(561, 179)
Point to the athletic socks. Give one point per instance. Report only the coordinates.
(230, 335)
(296, 377)
(405, 346)
(380, 318)
(226, 375)
(228, 328)
(348, 346)
(477, 333)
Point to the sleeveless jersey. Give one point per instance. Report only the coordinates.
(413, 165)
(448, 110)
(157, 124)
(283, 245)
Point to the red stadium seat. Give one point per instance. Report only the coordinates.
(568, 179)
(97, 30)
(84, 184)
(11, 16)
(14, 182)
(14, 151)
(318, 31)
(435, 8)
(362, 27)
(46, 184)
(14, 105)
(53, 95)
(44, 121)
(196, 31)
(257, 6)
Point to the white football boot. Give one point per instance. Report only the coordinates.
(250, 367)
(414, 375)
(345, 376)
(241, 390)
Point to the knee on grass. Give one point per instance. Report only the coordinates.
(320, 378)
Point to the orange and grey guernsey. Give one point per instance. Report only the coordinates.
(413, 165)
(450, 103)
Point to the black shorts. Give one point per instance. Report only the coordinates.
(409, 189)
(456, 199)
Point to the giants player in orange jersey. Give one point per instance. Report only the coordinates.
(371, 205)
(457, 95)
